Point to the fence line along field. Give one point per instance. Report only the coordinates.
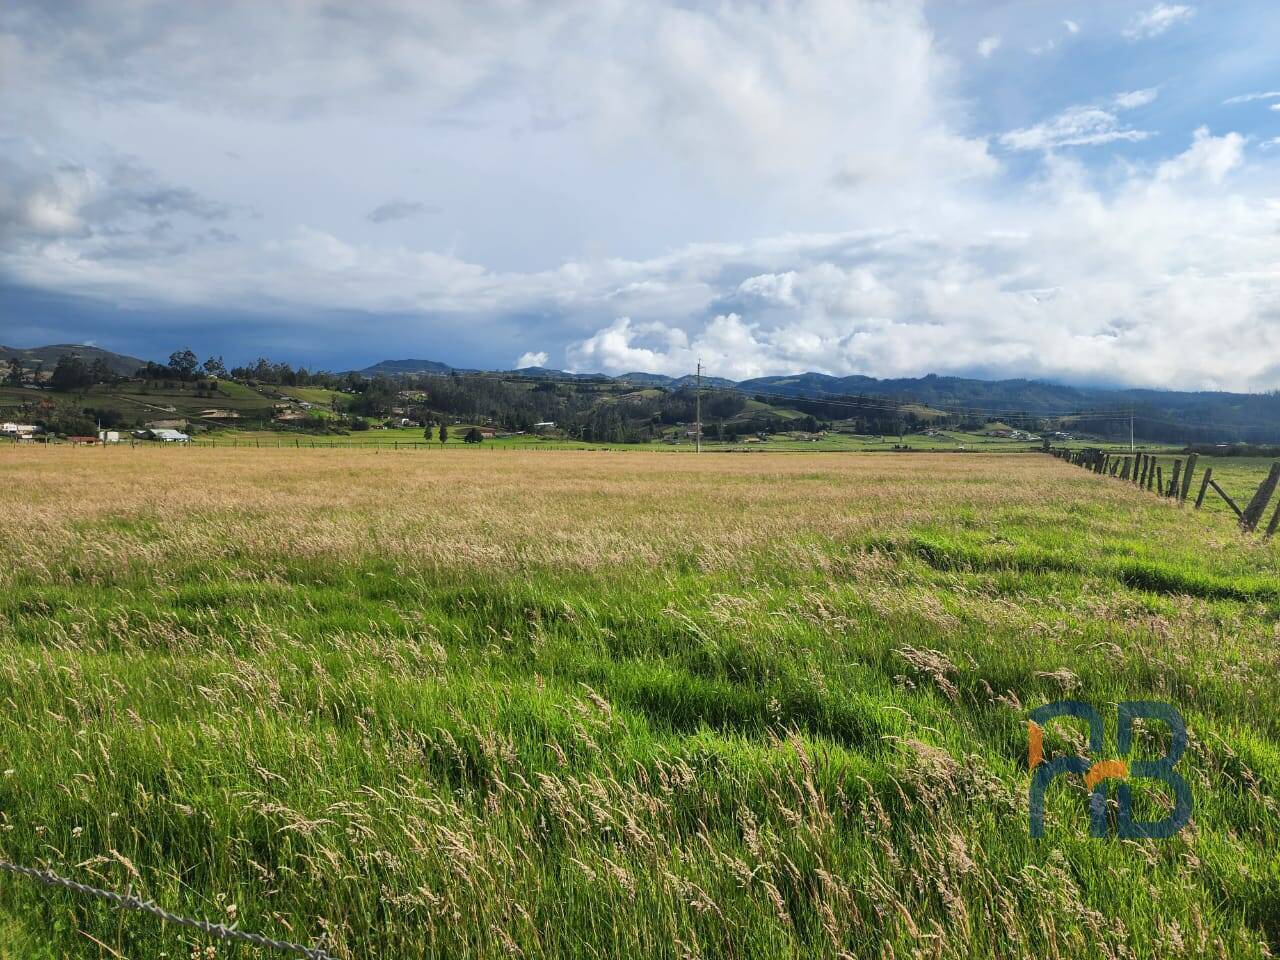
(586, 704)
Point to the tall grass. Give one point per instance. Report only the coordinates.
(591, 705)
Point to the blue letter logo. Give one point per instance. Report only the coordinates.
(1096, 773)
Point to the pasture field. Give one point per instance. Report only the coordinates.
(580, 704)
(412, 436)
(319, 395)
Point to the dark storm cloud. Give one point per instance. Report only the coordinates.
(122, 210)
(398, 210)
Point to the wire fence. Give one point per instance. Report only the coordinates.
(1147, 473)
(123, 901)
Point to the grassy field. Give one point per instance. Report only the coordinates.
(953, 441)
(318, 395)
(587, 705)
(134, 400)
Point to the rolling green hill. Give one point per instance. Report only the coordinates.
(119, 363)
(644, 405)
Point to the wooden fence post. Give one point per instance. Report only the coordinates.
(1146, 465)
(1253, 512)
(1174, 483)
(1275, 522)
(1159, 479)
(1204, 485)
(1186, 477)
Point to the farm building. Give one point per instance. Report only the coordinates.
(165, 435)
(19, 429)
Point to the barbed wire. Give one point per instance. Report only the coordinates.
(130, 902)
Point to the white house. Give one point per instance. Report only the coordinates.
(19, 429)
(165, 435)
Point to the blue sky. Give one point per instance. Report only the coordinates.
(1081, 191)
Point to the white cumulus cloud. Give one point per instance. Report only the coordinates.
(531, 359)
(1159, 19)
(629, 186)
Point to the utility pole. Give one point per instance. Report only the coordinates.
(698, 407)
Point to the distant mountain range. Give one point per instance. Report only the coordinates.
(401, 368)
(674, 383)
(1034, 397)
(1244, 415)
(1098, 409)
(1017, 395)
(119, 363)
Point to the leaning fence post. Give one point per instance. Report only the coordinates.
(1174, 483)
(1225, 496)
(1204, 485)
(1253, 512)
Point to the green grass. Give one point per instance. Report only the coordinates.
(953, 441)
(319, 395)
(1238, 476)
(583, 706)
(405, 438)
(155, 401)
